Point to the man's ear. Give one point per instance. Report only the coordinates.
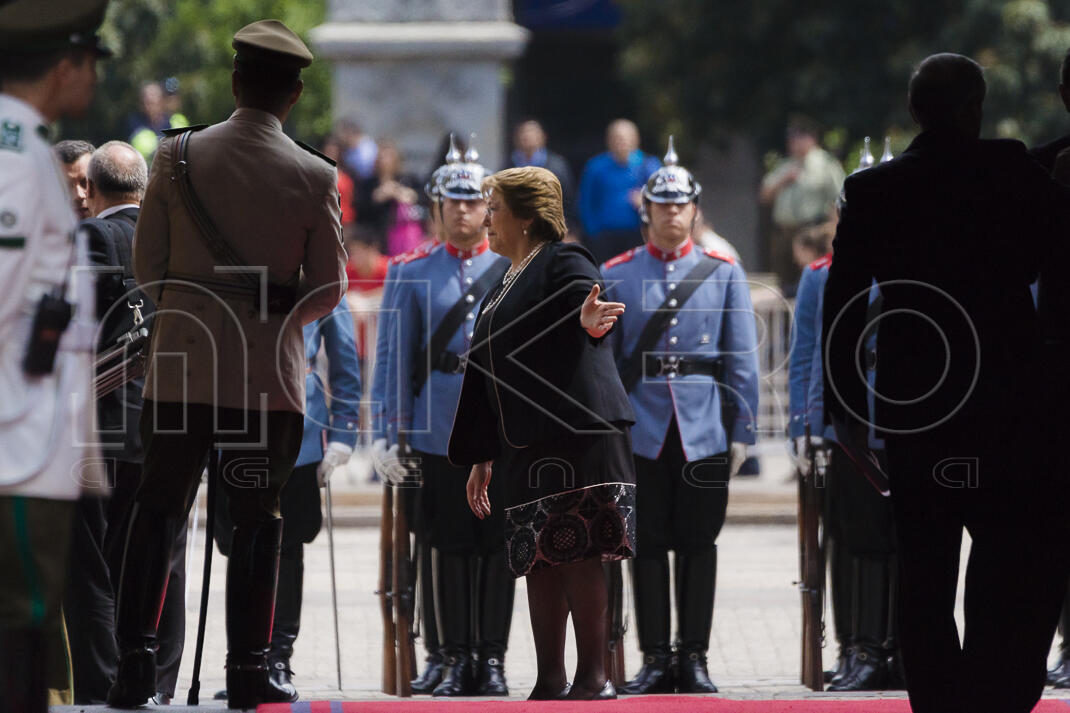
(90, 189)
(297, 92)
(1064, 93)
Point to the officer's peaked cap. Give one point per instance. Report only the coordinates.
(28, 26)
(271, 42)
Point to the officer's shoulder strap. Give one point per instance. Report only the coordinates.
(183, 129)
(821, 262)
(720, 256)
(622, 258)
(416, 253)
(314, 152)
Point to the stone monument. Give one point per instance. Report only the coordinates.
(412, 70)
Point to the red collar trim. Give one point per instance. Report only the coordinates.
(466, 254)
(674, 255)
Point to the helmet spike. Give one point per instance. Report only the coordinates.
(471, 155)
(454, 154)
(887, 155)
(671, 159)
(865, 158)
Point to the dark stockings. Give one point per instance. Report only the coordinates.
(553, 593)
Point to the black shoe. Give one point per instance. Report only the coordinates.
(162, 699)
(220, 695)
(837, 674)
(868, 672)
(692, 675)
(135, 683)
(656, 676)
(250, 684)
(491, 681)
(279, 672)
(606, 693)
(456, 676)
(430, 678)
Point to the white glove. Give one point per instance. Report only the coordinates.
(802, 458)
(736, 456)
(378, 454)
(336, 454)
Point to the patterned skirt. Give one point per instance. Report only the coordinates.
(569, 500)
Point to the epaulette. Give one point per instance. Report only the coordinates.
(183, 129)
(416, 253)
(314, 152)
(720, 256)
(622, 258)
(821, 262)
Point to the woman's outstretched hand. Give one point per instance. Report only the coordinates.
(478, 480)
(597, 317)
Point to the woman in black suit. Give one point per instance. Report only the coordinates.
(542, 408)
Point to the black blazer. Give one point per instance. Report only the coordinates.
(957, 230)
(532, 357)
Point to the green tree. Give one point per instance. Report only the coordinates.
(706, 70)
(191, 40)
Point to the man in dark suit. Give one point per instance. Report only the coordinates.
(954, 231)
(529, 149)
(1046, 153)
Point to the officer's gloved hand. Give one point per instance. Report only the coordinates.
(378, 454)
(394, 471)
(736, 456)
(336, 454)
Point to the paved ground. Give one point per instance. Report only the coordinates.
(755, 644)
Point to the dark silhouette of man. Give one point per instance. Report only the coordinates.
(954, 231)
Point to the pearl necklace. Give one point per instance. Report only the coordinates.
(511, 274)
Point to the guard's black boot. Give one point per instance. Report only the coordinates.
(142, 587)
(431, 676)
(842, 573)
(1060, 675)
(287, 622)
(869, 670)
(495, 606)
(252, 573)
(650, 580)
(696, 580)
(23, 675)
(455, 624)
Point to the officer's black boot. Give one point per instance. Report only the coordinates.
(696, 581)
(455, 624)
(432, 674)
(893, 660)
(841, 567)
(141, 590)
(869, 671)
(252, 573)
(287, 622)
(495, 607)
(1060, 675)
(650, 581)
(23, 674)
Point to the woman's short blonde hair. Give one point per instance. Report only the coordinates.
(531, 192)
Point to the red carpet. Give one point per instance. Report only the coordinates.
(637, 704)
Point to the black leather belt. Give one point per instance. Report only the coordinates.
(450, 363)
(666, 365)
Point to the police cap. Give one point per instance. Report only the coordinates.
(30, 26)
(271, 42)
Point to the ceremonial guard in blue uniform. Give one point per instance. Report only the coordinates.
(434, 304)
(687, 351)
(857, 519)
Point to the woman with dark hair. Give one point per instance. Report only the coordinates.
(542, 408)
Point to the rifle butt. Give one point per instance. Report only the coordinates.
(386, 584)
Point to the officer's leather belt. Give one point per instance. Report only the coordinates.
(663, 366)
(193, 283)
(450, 363)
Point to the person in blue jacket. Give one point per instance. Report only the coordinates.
(435, 303)
(329, 437)
(693, 383)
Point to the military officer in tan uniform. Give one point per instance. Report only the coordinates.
(239, 243)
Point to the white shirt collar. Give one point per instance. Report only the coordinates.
(115, 209)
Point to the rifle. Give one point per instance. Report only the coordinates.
(615, 624)
(405, 657)
(123, 362)
(812, 569)
(386, 591)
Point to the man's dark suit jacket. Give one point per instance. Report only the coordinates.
(1046, 154)
(118, 413)
(956, 230)
(551, 377)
